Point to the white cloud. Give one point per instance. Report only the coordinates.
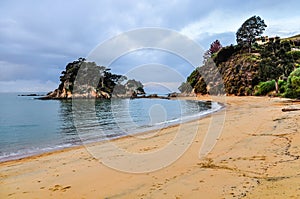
(212, 24)
(283, 27)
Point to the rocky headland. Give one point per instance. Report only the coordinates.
(269, 68)
(82, 79)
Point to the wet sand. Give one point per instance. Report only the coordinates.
(256, 156)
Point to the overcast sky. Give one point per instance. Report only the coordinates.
(38, 38)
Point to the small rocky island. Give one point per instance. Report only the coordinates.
(82, 79)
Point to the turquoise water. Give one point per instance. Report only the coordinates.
(29, 126)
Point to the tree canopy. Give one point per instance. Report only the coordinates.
(215, 47)
(250, 29)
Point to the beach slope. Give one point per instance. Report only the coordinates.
(256, 156)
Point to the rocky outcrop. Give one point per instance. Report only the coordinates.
(131, 88)
(174, 95)
(240, 74)
(94, 82)
(236, 76)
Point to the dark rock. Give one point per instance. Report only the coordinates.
(31, 95)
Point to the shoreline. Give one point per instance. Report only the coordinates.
(257, 153)
(137, 133)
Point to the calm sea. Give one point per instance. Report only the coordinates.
(29, 126)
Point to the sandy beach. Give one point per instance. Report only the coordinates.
(256, 156)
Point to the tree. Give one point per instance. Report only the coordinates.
(251, 28)
(215, 47)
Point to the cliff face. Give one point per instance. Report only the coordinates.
(93, 82)
(240, 71)
(240, 74)
(236, 75)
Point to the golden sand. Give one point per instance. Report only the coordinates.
(256, 156)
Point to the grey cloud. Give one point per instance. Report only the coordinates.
(42, 36)
(152, 60)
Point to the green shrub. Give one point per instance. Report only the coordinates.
(282, 86)
(295, 54)
(194, 77)
(200, 87)
(293, 85)
(263, 88)
(225, 53)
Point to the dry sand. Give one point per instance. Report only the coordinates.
(256, 156)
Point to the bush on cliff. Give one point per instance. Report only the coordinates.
(293, 85)
(200, 87)
(225, 53)
(264, 88)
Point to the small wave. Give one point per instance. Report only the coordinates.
(215, 107)
(30, 152)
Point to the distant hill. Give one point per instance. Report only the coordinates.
(295, 37)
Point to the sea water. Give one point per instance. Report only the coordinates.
(29, 126)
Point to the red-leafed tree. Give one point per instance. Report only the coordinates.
(215, 47)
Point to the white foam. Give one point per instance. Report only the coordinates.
(30, 152)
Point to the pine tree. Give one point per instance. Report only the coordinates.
(250, 29)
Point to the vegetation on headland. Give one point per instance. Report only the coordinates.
(93, 82)
(255, 66)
